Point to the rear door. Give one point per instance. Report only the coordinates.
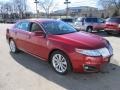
(99, 25)
(21, 33)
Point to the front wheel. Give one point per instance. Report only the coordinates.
(60, 62)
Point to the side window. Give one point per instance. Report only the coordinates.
(18, 25)
(23, 26)
(35, 27)
(100, 20)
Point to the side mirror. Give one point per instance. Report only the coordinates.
(39, 33)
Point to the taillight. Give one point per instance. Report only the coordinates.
(7, 31)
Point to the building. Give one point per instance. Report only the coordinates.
(77, 11)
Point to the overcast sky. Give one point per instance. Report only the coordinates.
(92, 3)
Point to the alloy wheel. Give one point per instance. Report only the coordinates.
(59, 63)
(12, 46)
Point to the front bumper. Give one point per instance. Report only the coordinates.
(82, 63)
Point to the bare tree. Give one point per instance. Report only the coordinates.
(116, 3)
(47, 6)
(107, 4)
(7, 8)
(20, 7)
(1, 4)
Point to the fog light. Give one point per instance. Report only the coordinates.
(86, 67)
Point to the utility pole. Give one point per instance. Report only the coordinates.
(67, 9)
(36, 2)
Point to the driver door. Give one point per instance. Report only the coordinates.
(37, 43)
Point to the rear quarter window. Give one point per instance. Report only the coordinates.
(22, 25)
(91, 20)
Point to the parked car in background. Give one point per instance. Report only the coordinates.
(89, 24)
(60, 44)
(112, 25)
(67, 20)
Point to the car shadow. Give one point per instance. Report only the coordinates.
(107, 79)
(104, 34)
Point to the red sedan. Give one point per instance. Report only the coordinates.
(112, 25)
(60, 44)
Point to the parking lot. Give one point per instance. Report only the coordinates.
(24, 72)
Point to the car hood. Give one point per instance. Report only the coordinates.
(82, 40)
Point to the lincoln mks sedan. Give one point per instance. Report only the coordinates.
(60, 44)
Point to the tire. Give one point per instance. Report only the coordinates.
(109, 33)
(89, 29)
(60, 62)
(13, 47)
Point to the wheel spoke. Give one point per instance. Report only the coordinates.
(64, 62)
(60, 57)
(59, 68)
(64, 66)
(56, 57)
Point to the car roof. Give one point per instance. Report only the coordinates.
(37, 20)
(88, 18)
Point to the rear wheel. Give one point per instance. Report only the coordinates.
(60, 62)
(12, 46)
(89, 29)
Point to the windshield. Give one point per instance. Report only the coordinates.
(57, 27)
(91, 20)
(67, 20)
(114, 20)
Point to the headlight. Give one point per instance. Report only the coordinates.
(88, 52)
(97, 52)
(109, 47)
